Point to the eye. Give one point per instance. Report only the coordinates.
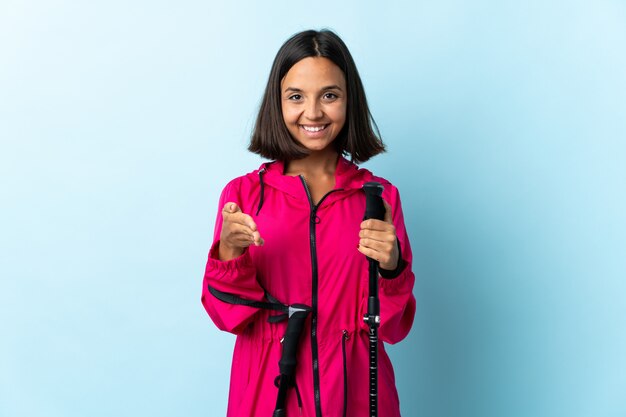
(330, 96)
(295, 97)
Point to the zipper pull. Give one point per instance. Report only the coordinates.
(346, 335)
(314, 217)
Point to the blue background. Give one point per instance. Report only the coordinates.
(121, 121)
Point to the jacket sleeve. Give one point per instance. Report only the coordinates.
(236, 276)
(397, 302)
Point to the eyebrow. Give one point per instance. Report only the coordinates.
(328, 87)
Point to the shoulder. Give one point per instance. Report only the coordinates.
(350, 177)
(390, 191)
(365, 175)
(247, 182)
(243, 182)
(242, 185)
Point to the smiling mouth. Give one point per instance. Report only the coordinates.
(314, 129)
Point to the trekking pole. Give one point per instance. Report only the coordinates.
(374, 209)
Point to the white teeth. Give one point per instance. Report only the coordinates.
(313, 128)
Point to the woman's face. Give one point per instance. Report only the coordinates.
(314, 101)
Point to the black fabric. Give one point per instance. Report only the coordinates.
(235, 299)
(345, 373)
(258, 210)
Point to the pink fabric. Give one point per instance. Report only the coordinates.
(283, 267)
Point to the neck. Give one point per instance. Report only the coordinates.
(314, 165)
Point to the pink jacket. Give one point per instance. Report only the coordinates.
(309, 257)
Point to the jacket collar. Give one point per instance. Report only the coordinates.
(349, 178)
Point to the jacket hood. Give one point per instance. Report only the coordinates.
(348, 178)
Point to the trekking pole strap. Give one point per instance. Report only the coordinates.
(229, 298)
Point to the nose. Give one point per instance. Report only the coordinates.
(313, 110)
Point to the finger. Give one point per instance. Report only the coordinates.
(367, 251)
(386, 255)
(378, 246)
(240, 218)
(241, 226)
(379, 225)
(240, 241)
(241, 223)
(236, 239)
(257, 240)
(381, 236)
(374, 254)
(235, 228)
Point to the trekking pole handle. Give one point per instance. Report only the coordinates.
(374, 206)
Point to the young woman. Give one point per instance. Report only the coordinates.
(291, 233)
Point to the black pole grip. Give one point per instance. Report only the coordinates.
(287, 363)
(374, 206)
(295, 324)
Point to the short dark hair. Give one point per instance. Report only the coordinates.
(359, 137)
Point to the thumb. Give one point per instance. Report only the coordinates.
(231, 207)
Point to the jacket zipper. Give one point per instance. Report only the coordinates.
(312, 242)
(345, 337)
